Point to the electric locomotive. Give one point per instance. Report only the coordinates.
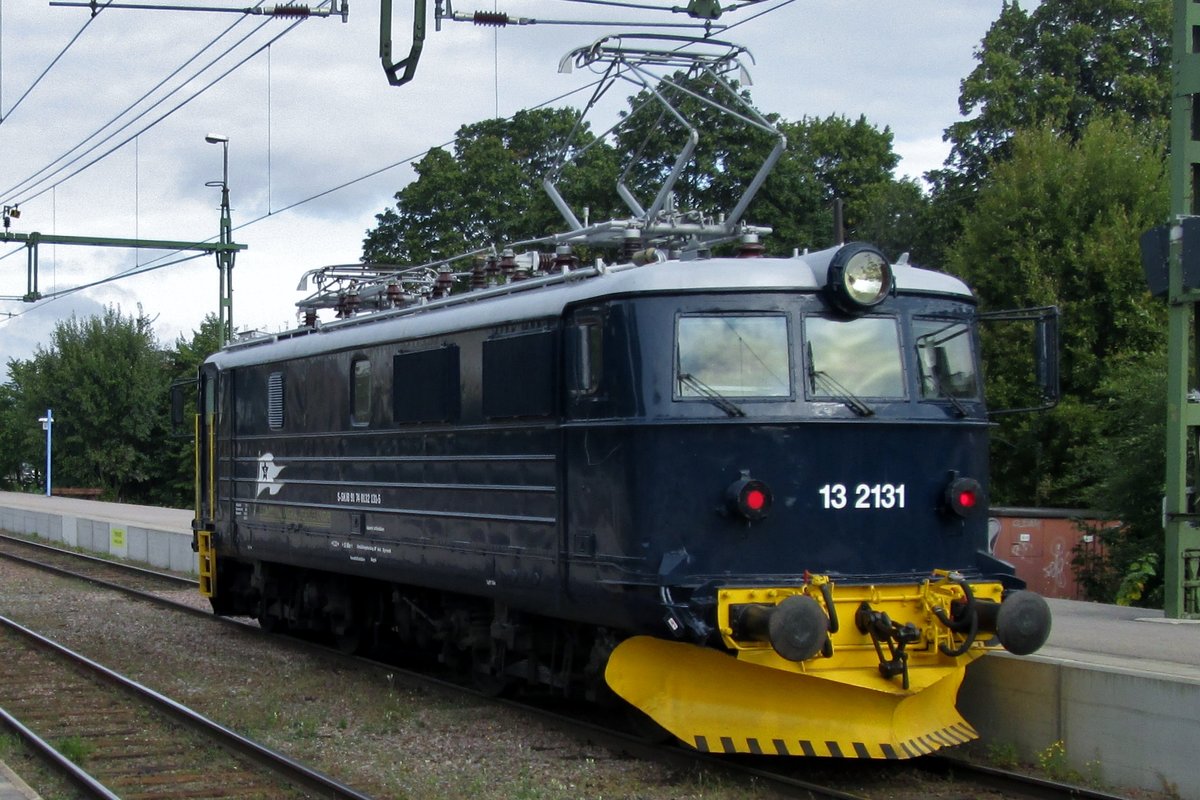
(746, 495)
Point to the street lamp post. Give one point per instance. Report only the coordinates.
(225, 256)
(48, 426)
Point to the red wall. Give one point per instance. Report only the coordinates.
(1040, 544)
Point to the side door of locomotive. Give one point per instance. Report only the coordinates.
(593, 448)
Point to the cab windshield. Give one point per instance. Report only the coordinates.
(733, 356)
(854, 357)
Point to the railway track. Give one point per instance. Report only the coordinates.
(120, 575)
(118, 739)
(818, 779)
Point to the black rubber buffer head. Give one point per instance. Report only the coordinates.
(798, 628)
(1023, 624)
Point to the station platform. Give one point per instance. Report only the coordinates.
(1119, 688)
(161, 537)
(12, 787)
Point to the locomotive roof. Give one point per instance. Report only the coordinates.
(547, 297)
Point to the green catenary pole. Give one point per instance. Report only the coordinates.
(1182, 548)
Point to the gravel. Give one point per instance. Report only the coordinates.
(381, 733)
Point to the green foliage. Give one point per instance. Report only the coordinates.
(1061, 66)
(108, 383)
(178, 452)
(1142, 574)
(16, 472)
(1004, 755)
(1053, 761)
(851, 161)
(75, 748)
(1123, 467)
(104, 378)
(1056, 68)
(1058, 224)
(488, 191)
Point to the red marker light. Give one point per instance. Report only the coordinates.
(963, 496)
(748, 498)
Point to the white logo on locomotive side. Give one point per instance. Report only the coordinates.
(268, 472)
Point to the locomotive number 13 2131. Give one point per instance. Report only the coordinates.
(864, 496)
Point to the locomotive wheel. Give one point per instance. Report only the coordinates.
(349, 641)
(487, 679)
(271, 623)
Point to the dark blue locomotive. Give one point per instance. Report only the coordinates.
(747, 495)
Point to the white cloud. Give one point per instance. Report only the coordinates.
(317, 112)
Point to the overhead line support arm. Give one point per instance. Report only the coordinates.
(32, 240)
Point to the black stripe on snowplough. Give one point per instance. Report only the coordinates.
(889, 751)
(861, 751)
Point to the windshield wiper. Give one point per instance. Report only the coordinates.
(711, 395)
(828, 385)
(959, 409)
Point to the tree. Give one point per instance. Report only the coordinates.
(489, 191)
(15, 469)
(106, 381)
(177, 453)
(1061, 66)
(1122, 470)
(826, 159)
(854, 162)
(1058, 224)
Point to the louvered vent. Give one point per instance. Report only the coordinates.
(275, 401)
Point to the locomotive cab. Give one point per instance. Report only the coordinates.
(799, 481)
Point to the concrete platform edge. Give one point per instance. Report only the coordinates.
(106, 533)
(1118, 726)
(13, 788)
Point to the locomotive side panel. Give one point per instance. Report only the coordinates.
(453, 486)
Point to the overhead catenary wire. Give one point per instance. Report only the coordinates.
(154, 264)
(33, 180)
(32, 189)
(5, 115)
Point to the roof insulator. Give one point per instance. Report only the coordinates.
(491, 19)
(291, 10)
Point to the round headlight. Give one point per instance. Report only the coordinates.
(859, 277)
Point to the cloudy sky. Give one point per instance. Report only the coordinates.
(109, 139)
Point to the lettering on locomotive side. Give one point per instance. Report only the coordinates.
(837, 496)
(360, 498)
